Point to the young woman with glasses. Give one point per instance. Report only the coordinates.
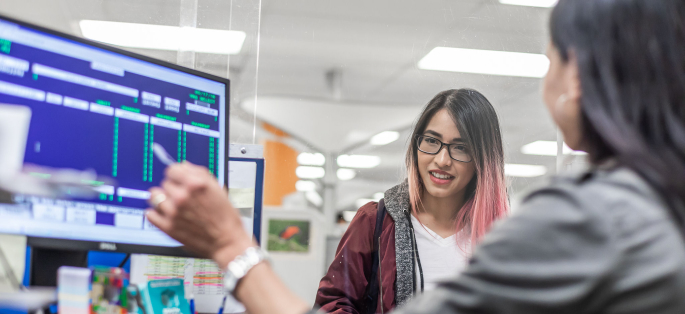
(455, 190)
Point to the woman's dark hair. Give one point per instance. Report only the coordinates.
(631, 63)
(476, 120)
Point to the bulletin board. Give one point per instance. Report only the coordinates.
(246, 184)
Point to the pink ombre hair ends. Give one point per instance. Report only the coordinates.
(486, 194)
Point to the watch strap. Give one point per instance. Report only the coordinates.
(241, 265)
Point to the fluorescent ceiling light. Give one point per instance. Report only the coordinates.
(358, 161)
(485, 62)
(149, 36)
(524, 171)
(305, 186)
(531, 3)
(314, 197)
(346, 174)
(385, 138)
(309, 159)
(363, 201)
(547, 148)
(348, 215)
(305, 172)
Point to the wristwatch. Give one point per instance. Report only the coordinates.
(238, 268)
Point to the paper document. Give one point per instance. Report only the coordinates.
(14, 128)
(14, 249)
(201, 278)
(242, 180)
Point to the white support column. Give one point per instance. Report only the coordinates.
(560, 152)
(188, 19)
(330, 183)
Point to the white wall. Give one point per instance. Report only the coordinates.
(301, 272)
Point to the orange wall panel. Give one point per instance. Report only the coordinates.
(279, 175)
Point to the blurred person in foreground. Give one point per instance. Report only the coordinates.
(609, 240)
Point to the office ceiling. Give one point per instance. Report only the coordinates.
(374, 45)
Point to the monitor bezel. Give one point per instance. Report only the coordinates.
(78, 245)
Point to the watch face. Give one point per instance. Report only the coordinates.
(239, 267)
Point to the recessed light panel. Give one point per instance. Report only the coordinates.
(547, 148)
(490, 62)
(311, 159)
(524, 171)
(531, 3)
(385, 138)
(306, 172)
(358, 161)
(305, 186)
(162, 37)
(345, 174)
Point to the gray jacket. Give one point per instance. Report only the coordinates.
(397, 205)
(600, 242)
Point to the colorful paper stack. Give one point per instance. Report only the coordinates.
(73, 290)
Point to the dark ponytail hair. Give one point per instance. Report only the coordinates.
(631, 63)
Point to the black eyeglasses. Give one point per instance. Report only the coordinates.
(431, 145)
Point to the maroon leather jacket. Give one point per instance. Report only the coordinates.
(344, 285)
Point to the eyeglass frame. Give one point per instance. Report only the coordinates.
(418, 147)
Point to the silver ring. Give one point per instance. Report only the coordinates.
(158, 199)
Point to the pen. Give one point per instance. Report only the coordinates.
(192, 304)
(162, 154)
(221, 309)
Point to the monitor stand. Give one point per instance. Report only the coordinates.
(45, 262)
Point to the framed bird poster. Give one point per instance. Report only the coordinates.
(288, 236)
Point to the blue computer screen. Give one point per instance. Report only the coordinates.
(93, 109)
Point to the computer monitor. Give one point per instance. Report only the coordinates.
(95, 107)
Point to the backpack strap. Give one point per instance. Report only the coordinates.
(370, 301)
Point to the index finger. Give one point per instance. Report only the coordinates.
(187, 174)
(177, 173)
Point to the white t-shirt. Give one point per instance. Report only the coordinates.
(441, 258)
